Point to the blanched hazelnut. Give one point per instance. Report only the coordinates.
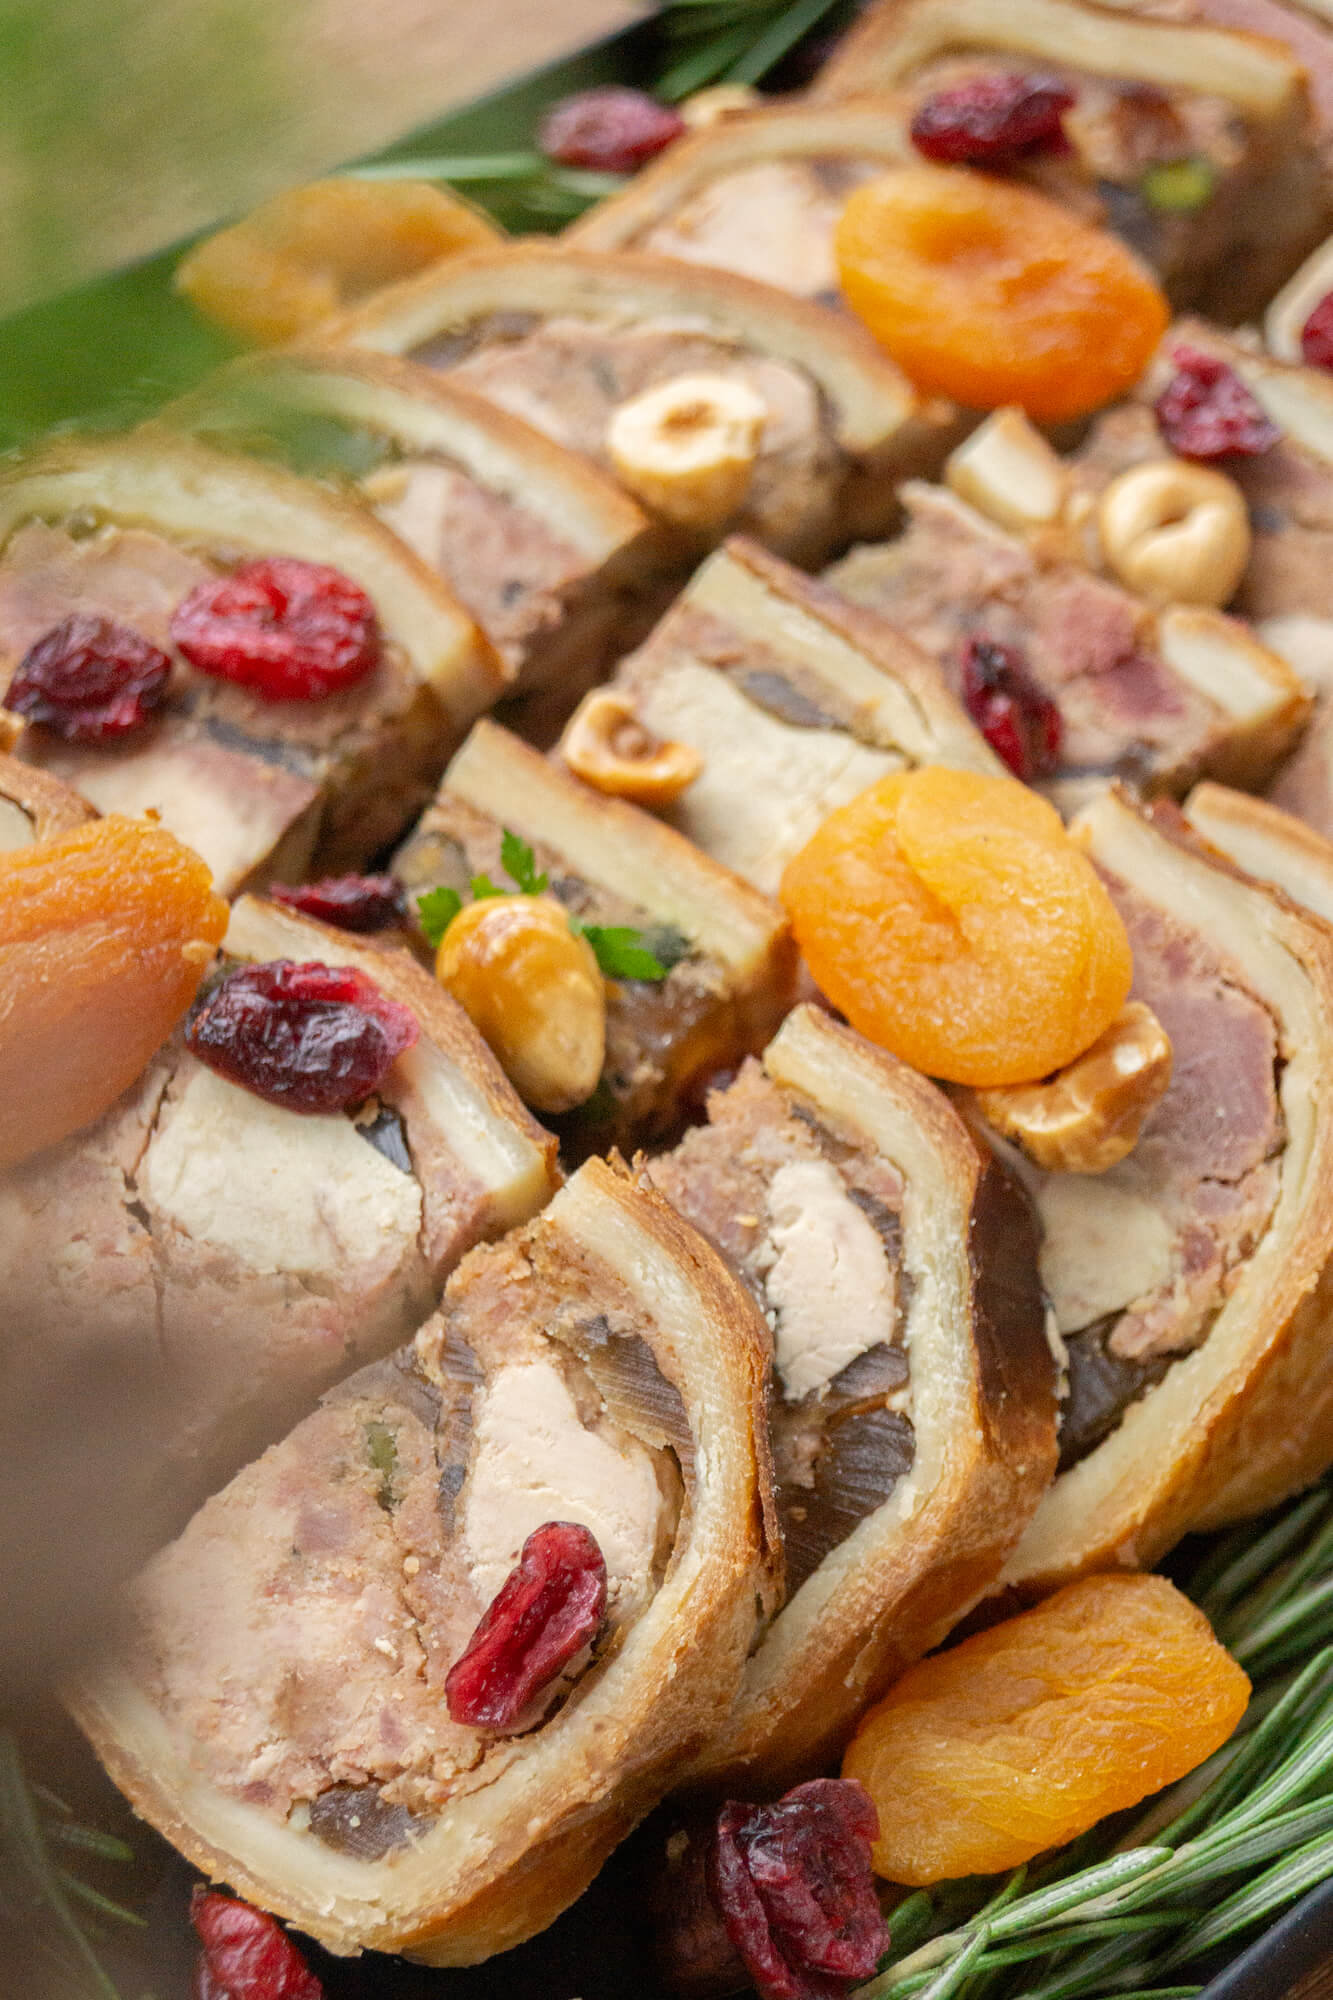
(718, 102)
(1007, 471)
(1089, 1115)
(534, 991)
(607, 746)
(1176, 533)
(687, 448)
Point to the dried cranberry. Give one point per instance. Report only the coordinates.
(352, 902)
(1206, 411)
(1021, 724)
(993, 118)
(544, 1613)
(1317, 334)
(89, 679)
(794, 1885)
(308, 1037)
(246, 1955)
(613, 129)
(292, 631)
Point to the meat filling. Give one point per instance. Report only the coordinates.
(1119, 131)
(1138, 1262)
(661, 1035)
(299, 1632)
(568, 376)
(810, 1220)
(773, 221)
(1087, 644)
(251, 785)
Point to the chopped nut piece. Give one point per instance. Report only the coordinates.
(687, 447)
(534, 991)
(1177, 533)
(1089, 1115)
(607, 746)
(1007, 470)
(718, 103)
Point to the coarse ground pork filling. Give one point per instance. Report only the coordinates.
(567, 376)
(1090, 646)
(229, 773)
(297, 1636)
(1139, 1261)
(809, 1215)
(509, 566)
(1118, 130)
(662, 1036)
(773, 220)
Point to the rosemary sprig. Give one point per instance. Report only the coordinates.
(1125, 1913)
(37, 1894)
(732, 41)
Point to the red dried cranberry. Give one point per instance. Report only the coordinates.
(1206, 411)
(352, 902)
(794, 1885)
(1001, 117)
(1021, 724)
(89, 679)
(544, 1613)
(1317, 335)
(246, 1955)
(308, 1037)
(613, 130)
(292, 631)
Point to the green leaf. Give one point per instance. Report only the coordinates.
(520, 865)
(436, 910)
(482, 887)
(620, 951)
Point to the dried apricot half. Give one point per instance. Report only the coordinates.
(988, 292)
(953, 920)
(105, 934)
(312, 250)
(1027, 1734)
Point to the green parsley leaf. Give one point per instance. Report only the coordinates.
(620, 951)
(436, 910)
(482, 887)
(520, 864)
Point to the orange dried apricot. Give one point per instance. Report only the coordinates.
(314, 249)
(105, 934)
(953, 920)
(988, 292)
(1027, 1734)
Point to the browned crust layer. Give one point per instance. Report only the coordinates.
(983, 1463)
(873, 128)
(1267, 843)
(517, 1852)
(52, 807)
(421, 409)
(1260, 76)
(871, 401)
(1247, 1419)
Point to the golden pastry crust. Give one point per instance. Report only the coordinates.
(518, 1850)
(983, 1407)
(1266, 842)
(1246, 1419)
